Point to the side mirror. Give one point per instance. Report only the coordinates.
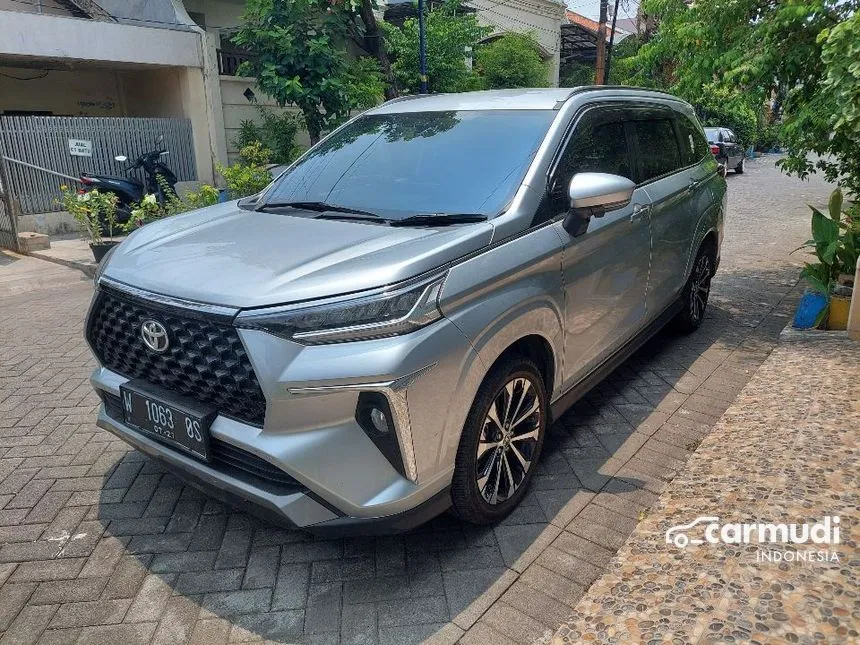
(121, 158)
(592, 194)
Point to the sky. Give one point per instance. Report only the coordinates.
(591, 8)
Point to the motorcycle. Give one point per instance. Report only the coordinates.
(129, 189)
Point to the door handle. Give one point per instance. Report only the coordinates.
(693, 185)
(639, 211)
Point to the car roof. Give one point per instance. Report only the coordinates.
(516, 99)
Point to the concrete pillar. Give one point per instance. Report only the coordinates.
(196, 107)
(854, 312)
(211, 43)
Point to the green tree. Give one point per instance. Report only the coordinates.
(450, 33)
(752, 52)
(367, 31)
(512, 60)
(828, 124)
(299, 56)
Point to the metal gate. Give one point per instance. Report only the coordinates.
(8, 217)
(72, 145)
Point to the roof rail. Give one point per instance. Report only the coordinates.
(597, 88)
(407, 97)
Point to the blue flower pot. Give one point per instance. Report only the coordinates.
(808, 309)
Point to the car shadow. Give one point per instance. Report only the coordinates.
(288, 585)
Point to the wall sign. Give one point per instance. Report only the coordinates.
(80, 148)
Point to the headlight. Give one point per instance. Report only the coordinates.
(390, 312)
(101, 266)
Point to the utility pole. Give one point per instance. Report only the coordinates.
(600, 68)
(611, 42)
(422, 48)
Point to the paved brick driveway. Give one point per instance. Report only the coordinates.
(99, 545)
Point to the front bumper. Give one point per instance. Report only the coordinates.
(340, 481)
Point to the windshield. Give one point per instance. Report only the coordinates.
(417, 163)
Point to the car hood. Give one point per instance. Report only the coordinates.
(230, 256)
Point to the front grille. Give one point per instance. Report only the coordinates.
(205, 361)
(227, 458)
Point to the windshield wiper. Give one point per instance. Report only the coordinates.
(321, 207)
(438, 219)
(354, 216)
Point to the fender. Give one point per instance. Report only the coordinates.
(497, 298)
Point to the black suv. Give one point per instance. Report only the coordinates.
(725, 147)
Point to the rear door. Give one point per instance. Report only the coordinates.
(605, 270)
(662, 175)
(698, 168)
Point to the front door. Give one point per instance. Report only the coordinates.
(606, 268)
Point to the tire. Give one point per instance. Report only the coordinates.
(481, 490)
(694, 296)
(739, 169)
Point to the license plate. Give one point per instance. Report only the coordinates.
(168, 418)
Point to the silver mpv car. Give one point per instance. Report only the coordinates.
(387, 330)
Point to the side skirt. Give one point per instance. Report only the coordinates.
(575, 393)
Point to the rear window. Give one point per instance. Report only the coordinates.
(713, 134)
(658, 148)
(693, 145)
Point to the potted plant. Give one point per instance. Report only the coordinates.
(94, 212)
(836, 244)
(143, 212)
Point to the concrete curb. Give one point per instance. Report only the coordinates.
(790, 334)
(88, 268)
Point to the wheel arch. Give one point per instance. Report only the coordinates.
(709, 237)
(536, 348)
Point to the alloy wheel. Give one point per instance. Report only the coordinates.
(700, 287)
(508, 440)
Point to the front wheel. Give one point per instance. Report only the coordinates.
(501, 442)
(694, 297)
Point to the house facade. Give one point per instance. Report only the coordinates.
(168, 58)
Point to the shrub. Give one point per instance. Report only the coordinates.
(512, 60)
(835, 243)
(574, 74)
(770, 137)
(94, 211)
(149, 209)
(250, 175)
(275, 131)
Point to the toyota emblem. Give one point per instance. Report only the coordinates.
(154, 336)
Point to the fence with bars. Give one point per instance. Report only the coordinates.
(72, 145)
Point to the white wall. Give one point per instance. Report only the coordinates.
(43, 36)
(237, 108)
(83, 92)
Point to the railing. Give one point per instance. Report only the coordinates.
(229, 61)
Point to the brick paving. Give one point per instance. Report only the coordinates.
(795, 462)
(98, 544)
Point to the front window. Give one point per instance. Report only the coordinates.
(420, 163)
